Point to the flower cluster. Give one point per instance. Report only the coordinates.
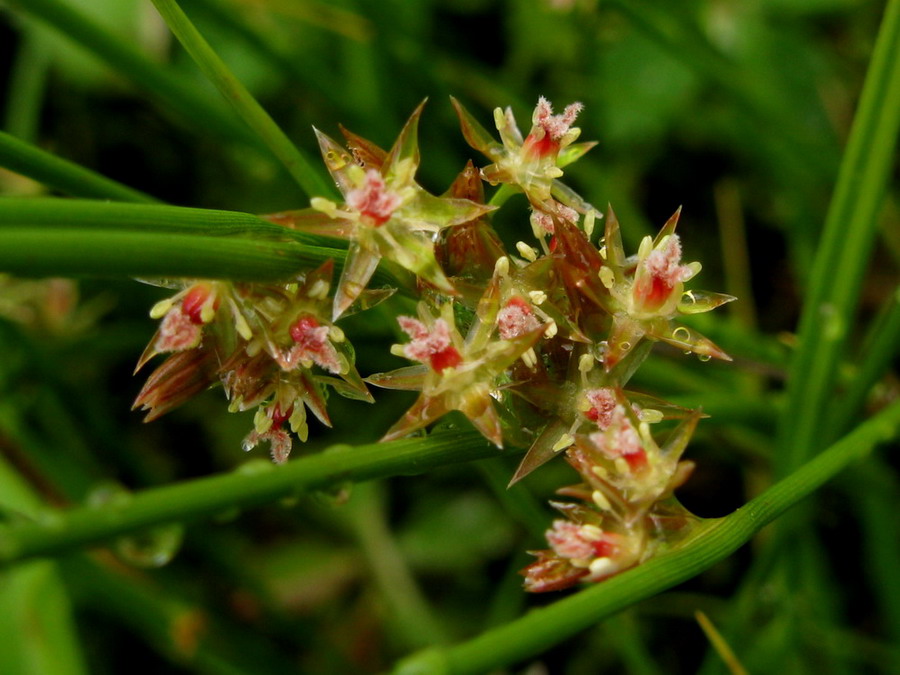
(272, 349)
(535, 347)
(627, 481)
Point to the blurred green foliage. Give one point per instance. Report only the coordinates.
(737, 111)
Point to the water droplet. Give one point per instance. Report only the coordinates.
(650, 416)
(106, 494)
(681, 334)
(336, 160)
(151, 548)
(255, 466)
(625, 346)
(704, 357)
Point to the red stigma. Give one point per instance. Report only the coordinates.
(446, 358)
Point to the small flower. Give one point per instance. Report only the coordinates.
(549, 131)
(551, 572)
(582, 551)
(580, 542)
(374, 202)
(533, 163)
(432, 347)
(603, 403)
(620, 439)
(268, 427)
(455, 374)
(312, 345)
(658, 279)
(182, 324)
(642, 295)
(516, 318)
(385, 213)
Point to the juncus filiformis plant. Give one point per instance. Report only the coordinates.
(534, 346)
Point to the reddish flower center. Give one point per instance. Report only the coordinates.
(652, 291)
(432, 347)
(549, 129)
(447, 358)
(603, 404)
(540, 147)
(279, 417)
(516, 318)
(302, 330)
(636, 460)
(604, 548)
(374, 202)
(195, 299)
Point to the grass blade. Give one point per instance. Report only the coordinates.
(240, 489)
(174, 92)
(65, 176)
(717, 539)
(243, 102)
(842, 258)
(60, 237)
(34, 604)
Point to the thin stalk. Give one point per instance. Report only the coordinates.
(518, 501)
(880, 348)
(36, 615)
(27, 81)
(720, 645)
(735, 253)
(502, 195)
(63, 175)
(176, 92)
(259, 482)
(300, 168)
(408, 608)
(874, 494)
(842, 258)
(622, 633)
(56, 237)
(714, 540)
(230, 18)
(103, 253)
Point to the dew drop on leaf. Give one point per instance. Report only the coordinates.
(681, 334)
(151, 548)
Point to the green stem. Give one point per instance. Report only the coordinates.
(714, 540)
(243, 102)
(62, 175)
(236, 20)
(253, 485)
(407, 606)
(175, 92)
(843, 256)
(27, 82)
(57, 237)
(502, 194)
(880, 348)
